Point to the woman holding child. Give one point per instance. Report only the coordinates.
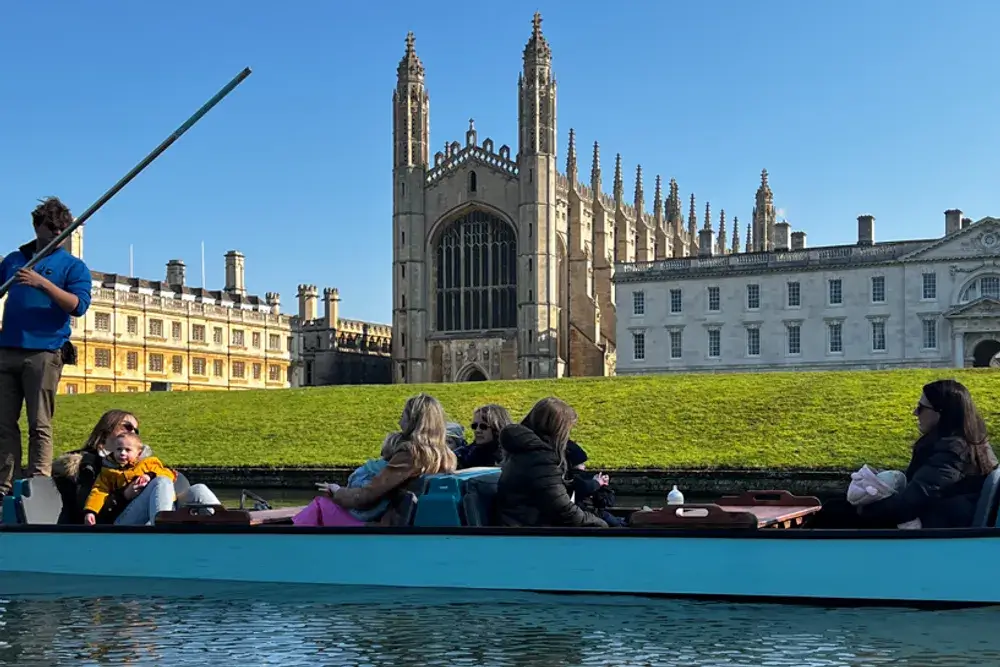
(77, 472)
(951, 459)
(419, 448)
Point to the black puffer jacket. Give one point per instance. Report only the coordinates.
(943, 485)
(531, 490)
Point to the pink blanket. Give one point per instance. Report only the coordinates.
(322, 511)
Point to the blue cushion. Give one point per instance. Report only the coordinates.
(441, 497)
(440, 503)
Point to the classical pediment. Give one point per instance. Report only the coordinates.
(980, 239)
(984, 306)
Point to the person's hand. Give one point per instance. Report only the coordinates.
(31, 278)
(89, 519)
(142, 480)
(135, 488)
(328, 488)
(601, 479)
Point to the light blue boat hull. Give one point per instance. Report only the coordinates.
(909, 568)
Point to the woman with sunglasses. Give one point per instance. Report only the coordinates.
(75, 472)
(951, 459)
(484, 450)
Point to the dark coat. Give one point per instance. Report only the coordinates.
(943, 485)
(532, 490)
(74, 474)
(475, 456)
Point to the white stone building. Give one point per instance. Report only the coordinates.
(921, 303)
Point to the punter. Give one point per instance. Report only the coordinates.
(34, 341)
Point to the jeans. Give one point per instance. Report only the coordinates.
(197, 494)
(157, 496)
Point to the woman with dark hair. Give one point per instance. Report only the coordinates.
(484, 450)
(950, 462)
(532, 488)
(75, 473)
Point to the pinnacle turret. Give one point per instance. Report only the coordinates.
(658, 198)
(619, 186)
(571, 157)
(735, 248)
(595, 169)
(639, 195)
(537, 49)
(410, 68)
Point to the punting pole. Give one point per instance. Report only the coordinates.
(117, 187)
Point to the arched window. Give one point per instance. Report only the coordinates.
(476, 264)
(472, 181)
(988, 285)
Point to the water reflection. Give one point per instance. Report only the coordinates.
(56, 621)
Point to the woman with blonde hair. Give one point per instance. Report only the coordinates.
(484, 450)
(532, 489)
(420, 448)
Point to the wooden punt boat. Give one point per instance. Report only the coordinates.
(752, 547)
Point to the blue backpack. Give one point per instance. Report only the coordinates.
(363, 477)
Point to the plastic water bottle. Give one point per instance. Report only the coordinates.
(675, 497)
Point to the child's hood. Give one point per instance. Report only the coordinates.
(109, 460)
(366, 472)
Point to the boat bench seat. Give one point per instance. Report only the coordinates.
(478, 501)
(989, 497)
(441, 501)
(36, 500)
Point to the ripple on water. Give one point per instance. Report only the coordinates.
(62, 622)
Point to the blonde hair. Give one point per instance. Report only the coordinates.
(131, 439)
(423, 435)
(551, 419)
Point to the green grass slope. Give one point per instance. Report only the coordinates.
(832, 420)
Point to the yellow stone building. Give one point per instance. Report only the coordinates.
(147, 335)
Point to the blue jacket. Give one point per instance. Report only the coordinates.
(32, 320)
(363, 477)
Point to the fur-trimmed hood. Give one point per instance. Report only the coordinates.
(67, 466)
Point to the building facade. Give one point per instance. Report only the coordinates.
(502, 264)
(142, 335)
(921, 303)
(330, 350)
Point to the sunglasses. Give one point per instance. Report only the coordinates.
(480, 426)
(921, 408)
(130, 427)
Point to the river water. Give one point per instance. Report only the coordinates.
(76, 621)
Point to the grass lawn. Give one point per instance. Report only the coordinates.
(831, 420)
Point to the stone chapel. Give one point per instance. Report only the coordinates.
(502, 265)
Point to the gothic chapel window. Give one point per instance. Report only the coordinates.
(476, 281)
(472, 181)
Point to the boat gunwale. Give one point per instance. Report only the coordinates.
(512, 531)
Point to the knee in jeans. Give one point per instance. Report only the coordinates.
(159, 481)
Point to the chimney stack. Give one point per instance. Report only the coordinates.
(308, 303)
(966, 222)
(175, 272)
(798, 240)
(235, 273)
(782, 230)
(331, 307)
(952, 221)
(274, 301)
(866, 230)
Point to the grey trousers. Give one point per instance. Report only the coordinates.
(29, 378)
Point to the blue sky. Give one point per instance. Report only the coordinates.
(890, 108)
